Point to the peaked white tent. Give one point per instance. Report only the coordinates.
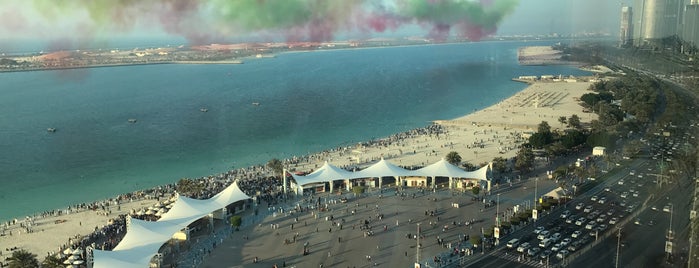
(446, 169)
(143, 239)
(384, 168)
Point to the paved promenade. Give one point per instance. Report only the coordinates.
(335, 237)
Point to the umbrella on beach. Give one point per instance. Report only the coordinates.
(78, 251)
(70, 266)
(71, 258)
(67, 262)
(78, 262)
(68, 251)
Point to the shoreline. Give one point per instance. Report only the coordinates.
(479, 137)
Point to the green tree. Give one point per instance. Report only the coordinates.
(499, 164)
(23, 259)
(189, 187)
(476, 190)
(468, 166)
(453, 157)
(562, 120)
(236, 221)
(51, 261)
(524, 161)
(476, 240)
(358, 190)
(276, 166)
(574, 122)
(544, 127)
(573, 138)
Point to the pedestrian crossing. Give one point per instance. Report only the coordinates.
(518, 258)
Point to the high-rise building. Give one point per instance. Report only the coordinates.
(626, 30)
(690, 25)
(655, 19)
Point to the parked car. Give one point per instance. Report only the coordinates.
(613, 221)
(543, 235)
(545, 254)
(539, 229)
(533, 251)
(587, 209)
(580, 206)
(565, 242)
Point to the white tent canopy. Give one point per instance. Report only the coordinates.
(383, 168)
(143, 239)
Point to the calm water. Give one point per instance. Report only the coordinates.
(308, 102)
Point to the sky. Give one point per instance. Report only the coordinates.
(78, 22)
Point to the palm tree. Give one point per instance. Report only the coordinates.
(276, 165)
(23, 259)
(453, 158)
(52, 261)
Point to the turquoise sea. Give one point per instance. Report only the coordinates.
(309, 101)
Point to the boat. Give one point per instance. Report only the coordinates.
(256, 103)
(132, 120)
(203, 110)
(51, 130)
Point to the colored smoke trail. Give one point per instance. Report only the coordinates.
(297, 20)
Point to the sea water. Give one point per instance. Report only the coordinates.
(308, 101)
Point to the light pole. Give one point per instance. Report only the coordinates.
(417, 247)
(618, 245)
(497, 211)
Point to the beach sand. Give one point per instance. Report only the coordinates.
(478, 137)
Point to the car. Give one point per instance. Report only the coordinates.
(544, 255)
(571, 219)
(607, 189)
(573, 247)
(602, 227)
(543, 235)
(637, 221)
(593, 198)
(590, 225)
(602, 218)
(587, 209)
(613, 221)
(545, 243)
(556, 237)
(621, 182)
(576, 234)
(533, 251)
(513, 243)
(523, 247)
(556, 247)
(602, 200)
(565, 214)
(666, 208)
(565, 242)
(580, 221)
(562, 254)
(622, 203)
(538, 229)
(654, 208)
(624, 194)
(580, 206)
(610, 212)
(633, 172)
(635, 194)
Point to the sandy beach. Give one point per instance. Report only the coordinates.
(478, 137)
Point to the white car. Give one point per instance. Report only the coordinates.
(562, 254)
(556, 247)
(602, 200)
(576, 234)
(565, 214)
(593, 198)
(513, 243)
(587, 209)
(613, 221)
(624, 194)
(565, 242)
(523, 247)
(579, 206)
(580, 221)
(591, 225)
(543, 235)
(666, 208)
(621, 182)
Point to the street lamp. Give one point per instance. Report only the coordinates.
(417, 255)
(497, 212)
